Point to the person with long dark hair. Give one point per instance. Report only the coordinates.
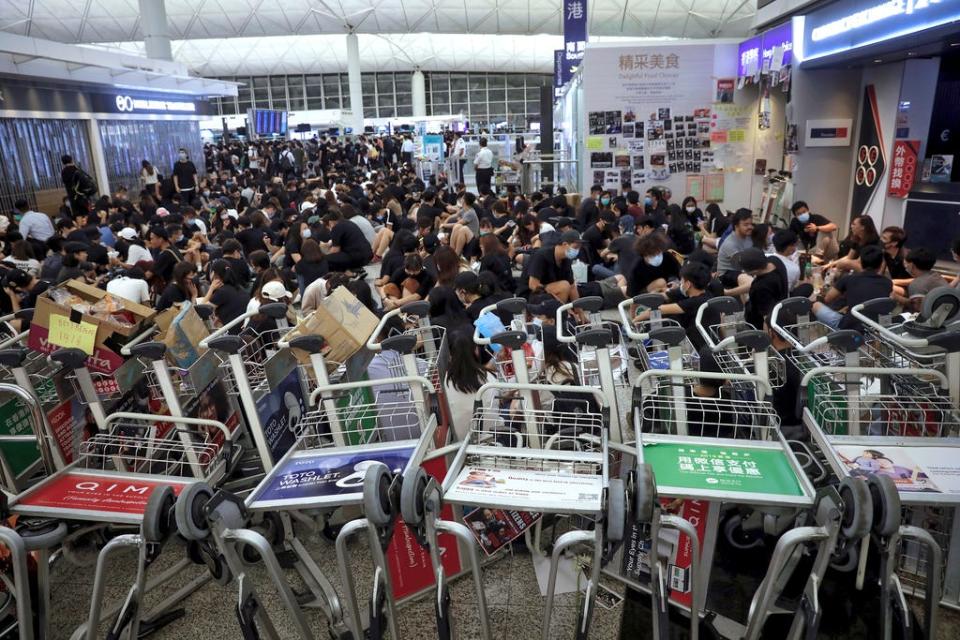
(863, 232)
(226, 293)
(495, 260)
(181, 287)
(462, 380)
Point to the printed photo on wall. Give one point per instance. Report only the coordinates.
(663, 113)
(625, 178)
(668, 125)
(658, 160)
(628, 129)
(614, 123)
(638, 129)
(701, 113)
(621, 160)
(657, 146)
(638, 162)
(655, 130)
(601, 160)
(598, 177)
(613, 142)
(637, 179)
(597, 122)
(629, 116)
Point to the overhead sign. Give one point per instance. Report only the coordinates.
(146, 104)
(842, 26)
(130, 104)
(830, 132)
(904, 171)
(749, 56)
(756, 54)
(558, 80)
(574, 35)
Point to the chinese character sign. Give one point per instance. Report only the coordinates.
(574, 35)
(904, 171)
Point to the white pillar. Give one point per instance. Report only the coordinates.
(418, 88)
(356, 88)
(99, 168)
(156, 35)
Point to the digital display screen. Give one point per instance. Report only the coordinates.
(268, 122)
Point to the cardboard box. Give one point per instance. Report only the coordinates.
(183, 338)
(573, 200)
(109, 336)
(342, 320)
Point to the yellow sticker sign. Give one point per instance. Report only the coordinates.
(595, 143)
(72, 335)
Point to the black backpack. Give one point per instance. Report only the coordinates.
(83, 184)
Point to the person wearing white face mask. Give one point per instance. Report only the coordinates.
(694, 214)
(550, 270)
(655, 267)
(816, 233)
(184, 174)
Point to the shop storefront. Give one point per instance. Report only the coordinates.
(874, 101)
(109, 131)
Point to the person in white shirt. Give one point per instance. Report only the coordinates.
(34, 226)
(135, 252)
(785, 245)
(483, 165)
(406, 150)
(460, 153)
(132, 286)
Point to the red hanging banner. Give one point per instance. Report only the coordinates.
(904, 171)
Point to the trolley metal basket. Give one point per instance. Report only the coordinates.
(653, 353)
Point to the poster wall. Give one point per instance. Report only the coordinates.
(649, 115)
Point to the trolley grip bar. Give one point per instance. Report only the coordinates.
(347, 386)
(875, 371)
(128, 348)
(222, 331)
(896, 338)
(556, 388)
(372, 343)
(147, 417)
(707, 375)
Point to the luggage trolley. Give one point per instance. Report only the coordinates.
(600, 365)
(508, 368)
(530, 459)
(724, 450)
(897, 442)
(731, 354)
(653, 353)
(128, 475)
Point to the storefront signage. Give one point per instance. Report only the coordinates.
(904, 170)
(757, 53)
(130, 105)
(843, 26)
(574, 35)
(38, 97)
(871, 159)
(832, 132)
(147, 104)
(558, 79)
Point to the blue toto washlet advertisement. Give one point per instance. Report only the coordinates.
(326, 477)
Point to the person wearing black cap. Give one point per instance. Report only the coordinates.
(769, 284)
(75, 256)
(596, 238)
(23, 289)
(550, 269)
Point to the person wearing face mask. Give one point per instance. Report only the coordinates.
(683, 302)
(692, 211)
(550, 269)
(655, 206)
(596, 238)
(816, 233)
(184, 174)
(409, 284)
(654, 268)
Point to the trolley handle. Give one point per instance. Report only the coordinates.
(705, 375)
(723, 304)
(876, 371)
(361, 384)
(650, 300)
(14, 341)
(148, 417)
(477, 338)
(554, 388)
(222, 331)
(127, 349)
(418, 308)
(561, 336)
(858, 313)
(798, 306)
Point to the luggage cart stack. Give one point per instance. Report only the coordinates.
(653, 353)
(508, 368)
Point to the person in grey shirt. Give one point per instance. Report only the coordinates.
(464, 225)
(733, 244)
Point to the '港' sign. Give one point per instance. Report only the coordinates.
(574, 35)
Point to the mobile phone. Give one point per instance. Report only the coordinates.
(511, 223)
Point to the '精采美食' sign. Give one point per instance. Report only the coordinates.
(842, 26)
(640, 61)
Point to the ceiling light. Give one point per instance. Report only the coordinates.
(955, 44)
(878, 60)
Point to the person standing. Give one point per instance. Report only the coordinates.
(81, 188)
(483, 166)
(406, 150)
(150, 178)
(460, 154)
(184, 175)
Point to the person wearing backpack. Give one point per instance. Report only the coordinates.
(81, 188)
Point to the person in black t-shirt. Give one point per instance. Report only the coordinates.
(597, 236)
(892, 240)
(769, 284)
(854, 289)
(814, 231)
(253, 234)
(348, 248)
(226, 294)
(165, 257)
(23, 291)
(654, 267)
(409, 284)
(180, 289)
(495, 260)
(233, 253)
(683, 302)
(184, 174)
(550, 269)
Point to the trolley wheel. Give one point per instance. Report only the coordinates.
(857, 508)
(189, 511)
(412, 506)
(738, 537)
(886, 504)
(846, 559)
(616, 510)
(646, 493)
(156, 525)
(376, 494)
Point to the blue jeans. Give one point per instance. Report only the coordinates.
(828, 316)
(601, 271)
